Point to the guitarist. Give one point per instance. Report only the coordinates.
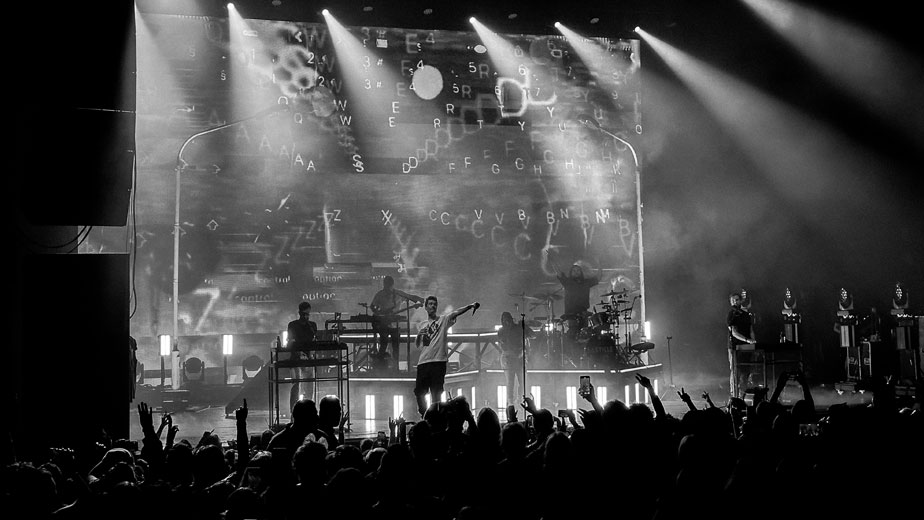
(386, 310)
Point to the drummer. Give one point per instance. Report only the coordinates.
(577, 296)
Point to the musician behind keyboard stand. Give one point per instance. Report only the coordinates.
(740, 332)
(300, 336)
(387, 306)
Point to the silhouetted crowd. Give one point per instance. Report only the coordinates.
(742, 461)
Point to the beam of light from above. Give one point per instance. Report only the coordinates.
(501, 52)
(153, 78)
(809, 163)
(374, 90)
(247, 63)
(874, 70)
(609, 68)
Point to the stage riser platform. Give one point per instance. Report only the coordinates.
(557, 389)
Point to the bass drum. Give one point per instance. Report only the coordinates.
(601, 351)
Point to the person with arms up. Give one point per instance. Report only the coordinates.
(577, 295)
(434, 353)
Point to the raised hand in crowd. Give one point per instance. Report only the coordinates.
(708, 399)
(511, 413)
(171, 435)
(146, 418)
(655, 399)
(528, 404)
(243, 441)
(685, 397)
(393, 429)
(591, 397)
(780, 385)
(166, 420)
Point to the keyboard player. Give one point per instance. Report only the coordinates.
(740, 332)
(387, 306)
(300, 335)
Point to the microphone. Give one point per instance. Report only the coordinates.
(475, 308)
(588, 122)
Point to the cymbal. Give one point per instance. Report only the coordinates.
(644, 346)
(548, 296)
(523, 295)
(623, 292)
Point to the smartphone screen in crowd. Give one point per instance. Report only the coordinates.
(585, 385)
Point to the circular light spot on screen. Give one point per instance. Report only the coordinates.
(428, 82)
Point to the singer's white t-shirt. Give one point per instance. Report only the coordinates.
(432, 336)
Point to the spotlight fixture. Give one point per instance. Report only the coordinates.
(230, 5)
(594, 20)
(511, 16)
(637, 29)
(368, 9)
(325, 12)
(791, 319)
(789, 301)
(900, 299)
(845, 302)
(428, 11)
(557, 25)
(276, 3)
(472, 20)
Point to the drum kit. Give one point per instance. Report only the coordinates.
(598, 339)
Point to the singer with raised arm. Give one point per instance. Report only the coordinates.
(387, 306)
(300, 335)
(434, 353)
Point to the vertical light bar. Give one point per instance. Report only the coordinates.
(370, 407)
(636, 392)
(501, 397)
(285, 338)
(571, 397)
(398, 406)
(474, 401)
(647, 396)
(601, 394)
(537, 395)
(227, 344)
(656, 387)
(444, 396)
(459, 392)
(647, 330)
(627, 394)
(429, 401)
(164, 344)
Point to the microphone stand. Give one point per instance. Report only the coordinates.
(523, 330)
(407, 353)
(180, 167)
